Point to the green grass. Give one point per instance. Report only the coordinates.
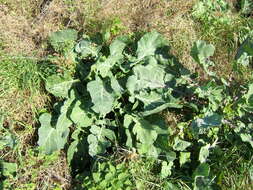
(234, 168)
(21, 92)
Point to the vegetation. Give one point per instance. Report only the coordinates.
(127, 101)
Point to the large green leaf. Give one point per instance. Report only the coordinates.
(104, 66)
(184, 158)
(180, 145)
(78, 150)
(203, 169)
(246, 47)
(117, 46)
(99, 139)
(80, 116)
(150, 76)
(50, 139)
(149, 44)
(201, 52)
(212, 92)
(245, 132)
(145, 132)
(101, 98)
(204, 153)
(8, 169)
(249, 95)
(155, 102)
(59, 85)
(202, 183)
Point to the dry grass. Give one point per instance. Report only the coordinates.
(23, 31)
(20, 106)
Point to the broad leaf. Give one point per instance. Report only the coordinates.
(145, 132)
(149, 43)
(245, 132)
(204, 153)
(184, 158)
(202, 170)
(117, 46)
(79, 115)
(201, 51)
(8, 169)
(101, 98)
(180, 145)
(203, 183)
(151, 76)
(155, 103)
(245, 47)
(50, 139)
(60, 86)
(104, 66)
(98, 140)
(63, 40)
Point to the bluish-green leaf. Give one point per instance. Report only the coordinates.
(145, 132)
(86, 48)
(102, 99)
(149, 43)
(50, 139)
(201, 51)
(59, 86)
(98, 140)
(180, 145)
(63, 40)
(79, 115)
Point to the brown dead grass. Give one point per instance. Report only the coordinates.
(58, 173)
(23, 30)
(21, 105)
(15, 32)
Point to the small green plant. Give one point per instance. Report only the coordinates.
(205, 9)
(108, 176)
